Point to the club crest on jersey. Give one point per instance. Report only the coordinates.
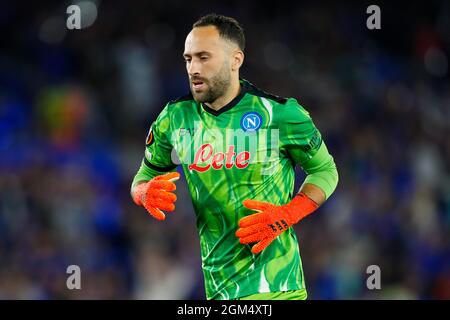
(251, 121)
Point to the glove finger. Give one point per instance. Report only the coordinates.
(255, 204)
(162, 184)
(166, 196)
(163, 205)
(161, 199)
(245, 232)
(260, 246)
(171, 176)
(255, 218)
(156, 213)
(174, 179)
(253, 238)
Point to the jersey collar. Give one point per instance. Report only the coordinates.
(230, 104)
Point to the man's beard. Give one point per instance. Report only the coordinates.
(217, 87)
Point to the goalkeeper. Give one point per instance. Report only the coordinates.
(238, 147)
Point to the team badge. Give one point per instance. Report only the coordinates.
(251, 121)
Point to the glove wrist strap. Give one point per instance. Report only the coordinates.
(300, 207)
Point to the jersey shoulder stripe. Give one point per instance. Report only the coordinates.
(254, 90)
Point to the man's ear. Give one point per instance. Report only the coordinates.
(238, 60)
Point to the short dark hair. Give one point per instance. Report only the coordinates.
(228, 27)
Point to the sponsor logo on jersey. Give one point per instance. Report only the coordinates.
(251, 121)
(186, 131)
(205, 158)
(314, 142)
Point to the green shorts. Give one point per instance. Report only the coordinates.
(285, 295)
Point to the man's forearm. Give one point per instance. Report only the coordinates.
(322, 176)
(314, 193)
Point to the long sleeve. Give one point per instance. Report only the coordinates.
(158, 150)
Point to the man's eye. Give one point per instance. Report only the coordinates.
(203, 58)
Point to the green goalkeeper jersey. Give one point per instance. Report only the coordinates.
(246, 150)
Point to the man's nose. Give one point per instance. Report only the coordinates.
(194, 68)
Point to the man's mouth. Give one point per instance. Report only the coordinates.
(198, 85)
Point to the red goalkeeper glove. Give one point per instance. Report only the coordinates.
(271, 220)
(156, 194)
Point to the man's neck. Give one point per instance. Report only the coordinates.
(221, 102)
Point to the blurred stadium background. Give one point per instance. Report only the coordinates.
(75, 108)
